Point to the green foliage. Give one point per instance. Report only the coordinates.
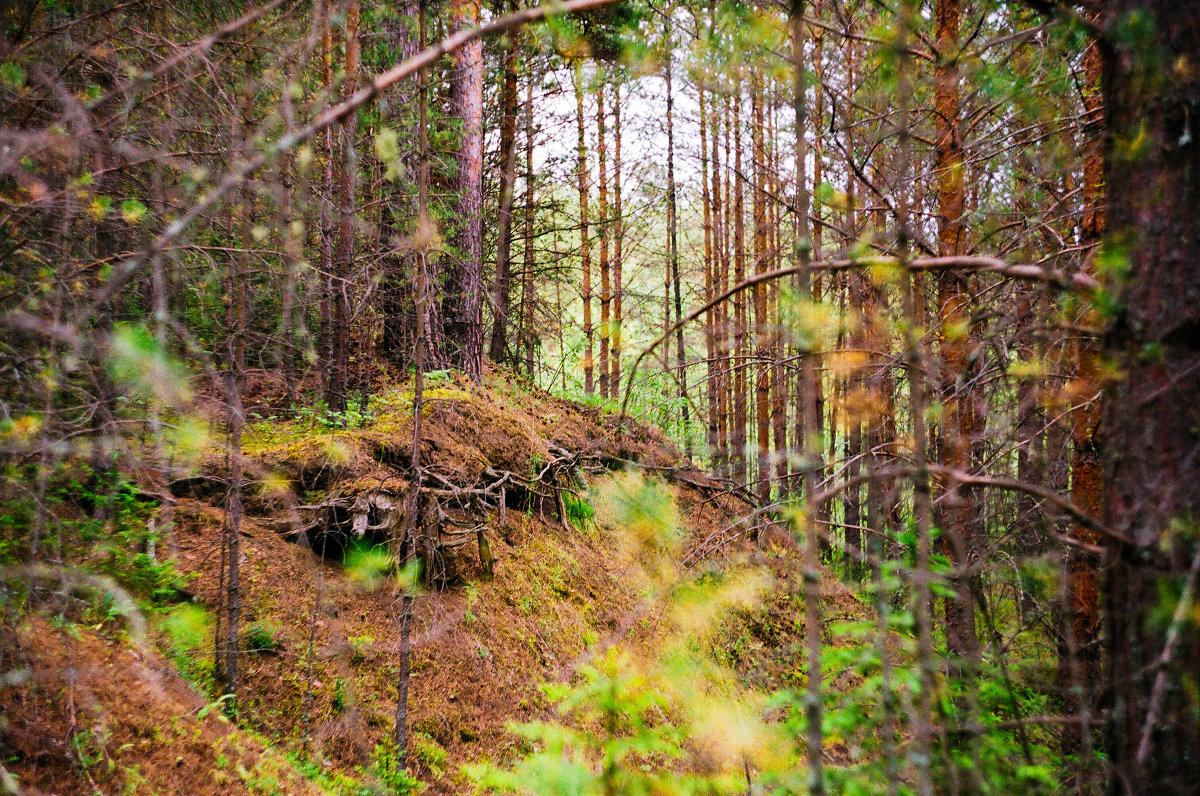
(89, 747)
(338, 701)
(322, 417)
(189, 629)
(260, 638)
(391, 773)
(579, 510)
(615, 738)
(428, 752)
(603, 34)
(12, 75)
(368, 564)
(138, 363)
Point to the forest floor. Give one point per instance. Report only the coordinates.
(320, 640)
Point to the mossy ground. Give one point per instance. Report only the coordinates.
(320, 651)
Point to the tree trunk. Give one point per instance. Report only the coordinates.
(710, 317)
(464, 285)
(673, 230)
(762, 343)
(585, 255)
(740, 474)
(336, 387)
(1079, 656)
(328, 328)
(721, 265)
(961, 422)
(810, 450)
(618, 234)
(498, 349)
(1151, 414)
(603, 225)
(412, 500)
(528, 298)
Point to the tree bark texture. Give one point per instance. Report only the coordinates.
(1151, 423)
(463, 307)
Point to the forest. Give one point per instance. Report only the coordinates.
(600, 396)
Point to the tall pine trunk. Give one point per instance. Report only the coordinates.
(673, 242)
(740, 408)
(585, 254)
(498, 348)
(602, 224)
(961, 422)
(1151, 414)
(762, 343)
(464, 284)
(618, 235)
(528, 298)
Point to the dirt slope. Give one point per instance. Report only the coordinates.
(96, 715)
(320, 636)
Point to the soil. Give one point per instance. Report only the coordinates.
(327, 681)
(98, 715)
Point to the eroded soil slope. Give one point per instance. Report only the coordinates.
(321, 608)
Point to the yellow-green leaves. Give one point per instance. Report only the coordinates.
(100, 208)
(132, 211)
(12, 74)
(387, 149)
(813, 324)
(138, 363)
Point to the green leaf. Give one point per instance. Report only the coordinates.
(132, 211)
(12, 74)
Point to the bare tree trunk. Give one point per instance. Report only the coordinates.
(740, 474)
(528, 298)
(1151, 415)
(810, 444)
(721, 266)
(603, 225)
(775, 260)
(960, 427)
(498, 349)
(336, 387)
(585, 256)
(412, 500)
(234, 381)
(1079, 657)
(673, 233)
(618, 235)
(463, 309)
(914, 357)
(328, 328)
(762, 343)
(710, 317)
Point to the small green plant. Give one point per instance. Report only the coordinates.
(614, 738)
(580, 510)
(359, 646)
(260, 639)
(391, 774)
(88, 747)
(188, 628)
(322, 417)
(338, 702)
(369, 564)
(428, 752)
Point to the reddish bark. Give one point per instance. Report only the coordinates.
(962, 422)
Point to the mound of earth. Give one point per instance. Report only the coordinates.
(528, 568)
(88, 713)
